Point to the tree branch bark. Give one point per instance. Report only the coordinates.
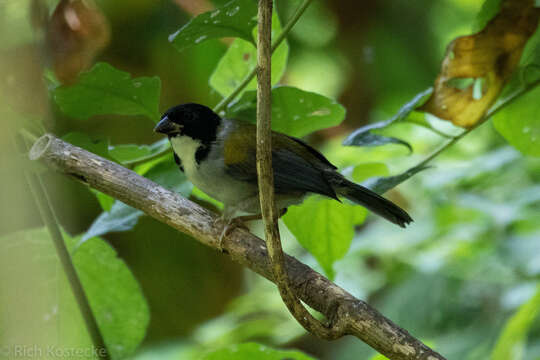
(359, 319)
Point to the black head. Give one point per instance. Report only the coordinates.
(194, 120)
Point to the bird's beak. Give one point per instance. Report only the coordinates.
(165, 126)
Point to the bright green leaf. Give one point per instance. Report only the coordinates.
(30, 263)
(105, 90)
(250, 351)
(511, 343)
(114, 295)
(365, 171)
(241, 58)
(294, 112)
(325, 228)
(105, 201)
(235, 19)
(168, 175)
(519, 123)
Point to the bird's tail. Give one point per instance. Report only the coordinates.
(373, 202)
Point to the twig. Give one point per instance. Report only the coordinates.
(39, 193)
(495, 109)
(266, 182)
(358, 318)
(292, 21)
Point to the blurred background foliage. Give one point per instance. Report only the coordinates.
(464, 277)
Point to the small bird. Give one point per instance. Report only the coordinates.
(218, 155)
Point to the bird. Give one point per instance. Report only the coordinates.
(218, 155)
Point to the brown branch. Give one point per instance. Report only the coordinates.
(266, 182)
(359, 319)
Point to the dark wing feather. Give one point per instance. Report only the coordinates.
(293, 173)
(313, 152)
(297, 166)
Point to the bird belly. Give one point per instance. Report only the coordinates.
(210, 175)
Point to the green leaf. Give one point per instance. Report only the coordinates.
(380, 185)
(96, 146)
(249, 351)
(511, 342)
(325, 228)
(364, 137)
(130, 153)
(369, 139)
(378, 357)
(33, 275)
(105, 201)
(167, 174)
(235, 19)
(295, 112)
(365, 171)
(113, 293)
(241, 58)
(122, 217)
(530, 59)
(489, 9)
(105, 90)
(519, 123)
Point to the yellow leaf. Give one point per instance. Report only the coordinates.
(484, 62)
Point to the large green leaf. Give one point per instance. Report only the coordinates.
(114, 295)
(511, 343)
(295, 112)
(33, 276)
(250, 351)
(105, 90)
(325, 228)
(241, 58)
(519, 123)
(235, 19)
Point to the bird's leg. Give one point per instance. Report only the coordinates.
(229, 222)
(238, 222)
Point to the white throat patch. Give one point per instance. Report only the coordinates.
(185, 148)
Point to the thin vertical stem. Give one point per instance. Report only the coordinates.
(43, 202)
(266, 181)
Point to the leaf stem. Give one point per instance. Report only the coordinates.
(495, 109)
(269, 211)
(43, 202)
(225, 101)
(292, 21)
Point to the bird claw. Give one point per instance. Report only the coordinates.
(229, 227)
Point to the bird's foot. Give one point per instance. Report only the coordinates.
(238, 222)
(229, 226)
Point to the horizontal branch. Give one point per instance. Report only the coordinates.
(359, 319)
